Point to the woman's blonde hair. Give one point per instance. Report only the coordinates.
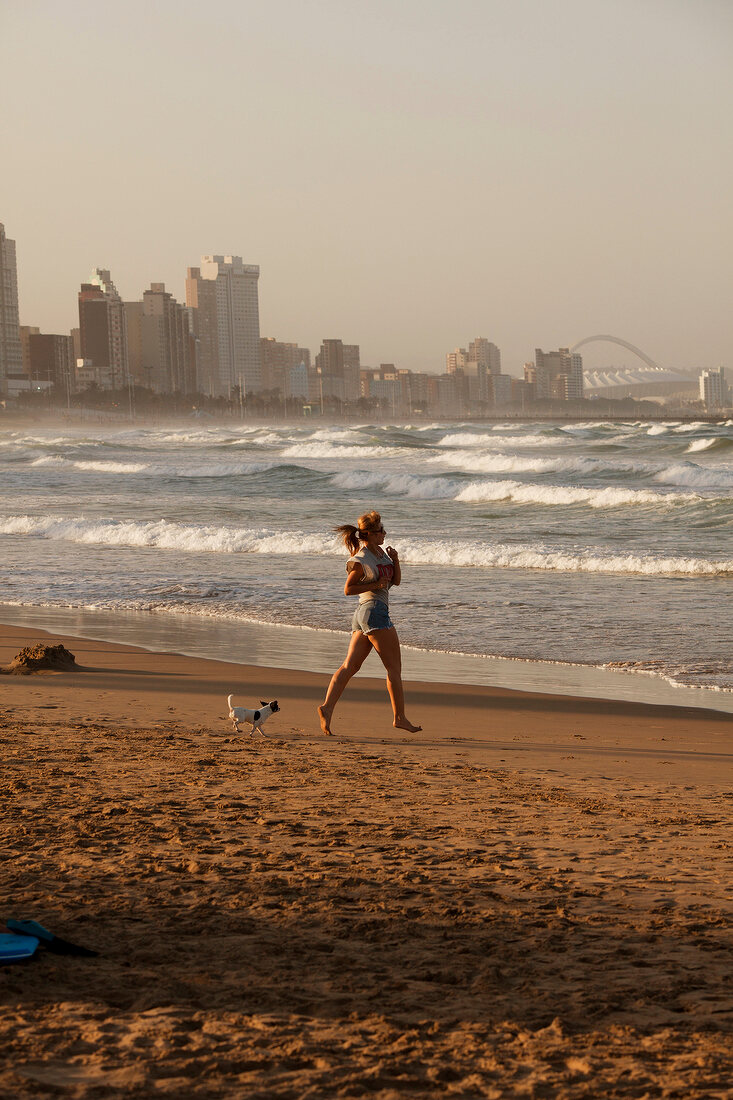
(353, 536)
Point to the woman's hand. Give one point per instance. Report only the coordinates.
(396, 567)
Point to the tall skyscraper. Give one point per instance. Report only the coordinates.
(103, 331)
(223, 292)
(11, 355)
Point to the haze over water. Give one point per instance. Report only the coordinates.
(583, 543)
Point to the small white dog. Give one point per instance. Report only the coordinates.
(254, 717)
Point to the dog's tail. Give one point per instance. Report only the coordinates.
(229, 700)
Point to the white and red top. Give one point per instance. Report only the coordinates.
(376, 567)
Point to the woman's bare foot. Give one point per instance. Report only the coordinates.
(403, 724)
(325, 719)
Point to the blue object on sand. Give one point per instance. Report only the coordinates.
(30, 928)
(16, 948)
(50, 941)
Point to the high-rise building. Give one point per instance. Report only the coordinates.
(339, 367)
(103, 331)
(476, 385)
(352, 372)
(201, 300)
(456, 360)
(278, 360)
(714, 389)
(26, 331)
(160, 343)
(558, 375)
(52, 360)
(330, 367)
(485, 353)
(223, 292)
(501, 385)
(299, 383)
(485, 357)
(11, 355)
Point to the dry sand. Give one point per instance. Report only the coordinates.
(531, 898)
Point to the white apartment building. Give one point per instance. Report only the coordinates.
(713, 389)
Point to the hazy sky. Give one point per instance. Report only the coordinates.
(408, 174)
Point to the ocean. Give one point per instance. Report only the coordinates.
(604, 545)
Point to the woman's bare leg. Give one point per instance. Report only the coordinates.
(387, 645)
(359, 650)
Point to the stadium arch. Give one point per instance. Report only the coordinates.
(621, 343)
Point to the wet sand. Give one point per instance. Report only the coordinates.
(531, 897)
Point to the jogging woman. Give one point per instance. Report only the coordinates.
(371, 573)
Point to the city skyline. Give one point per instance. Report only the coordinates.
(401, 175)
(212, 347)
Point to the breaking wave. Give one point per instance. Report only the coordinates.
(718, 444)
(338, 450)
(409, 485)
(690, 475)
(609, 497)
(162, 535)
(499, 463)
(89, 465)
(418, 487)
(196, 538)
(469, 439)
(537, 556)
(156, 469)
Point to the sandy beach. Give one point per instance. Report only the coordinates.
(532, 897)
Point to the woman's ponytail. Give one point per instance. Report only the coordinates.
(354, 536)
(349, 535)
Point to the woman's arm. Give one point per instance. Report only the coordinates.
(397, 575)
(355, 583)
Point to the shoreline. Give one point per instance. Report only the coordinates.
(308, 649)
(549, 734)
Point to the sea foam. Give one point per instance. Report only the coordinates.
(157, 469)
(469, 439)
(197, 538)
(418, 487)
(609, 497)
(689, 474)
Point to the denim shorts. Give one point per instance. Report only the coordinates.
(372, 615)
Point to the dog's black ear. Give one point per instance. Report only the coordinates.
(263, 703)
